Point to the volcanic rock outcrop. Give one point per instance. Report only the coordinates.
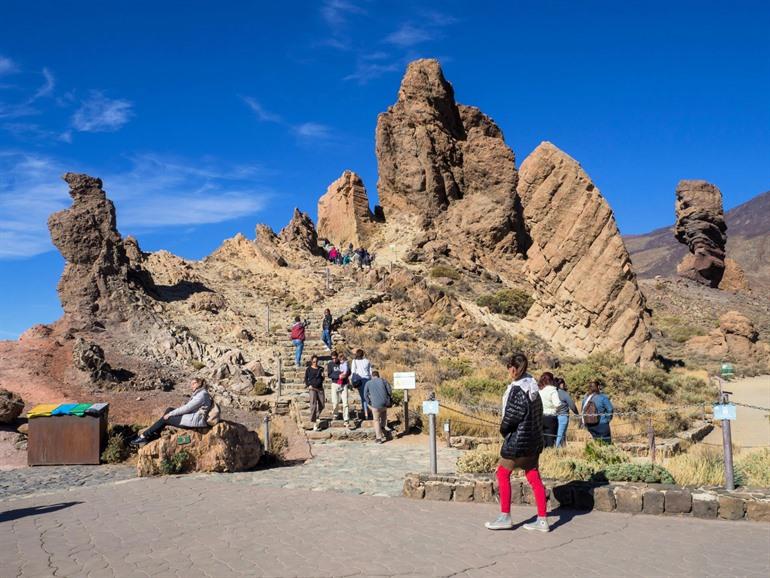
(99, 281)
(587, 298)
(447, 167)
(700, 224)
(735, 338)
(343, 212)
(300, 233)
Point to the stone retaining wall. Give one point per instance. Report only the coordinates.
(626, 497)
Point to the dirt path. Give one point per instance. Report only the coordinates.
(752, 426)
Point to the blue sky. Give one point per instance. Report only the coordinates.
(204, 118)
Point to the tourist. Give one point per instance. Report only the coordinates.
(333, 373)
(297, 334)
(549, 395)
(334, 254)
(379, 397)
(314, 379)
(326, 333)
(360, 373)
(562, 414)
(191, 415)
(597, 413)
(522, 430)
(341, 389)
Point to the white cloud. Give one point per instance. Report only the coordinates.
(153, 193)
(101, 114)
(312, 130)
(373, 65)
(409, 35)
(7, 66)
(336, 12)
(260, 112)
(48, 85)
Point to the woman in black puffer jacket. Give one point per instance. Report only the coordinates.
(522, 428)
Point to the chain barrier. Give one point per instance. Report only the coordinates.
(760, 408)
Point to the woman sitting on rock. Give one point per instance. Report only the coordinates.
(191, 415)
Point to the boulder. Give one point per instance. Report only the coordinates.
(734, 277)
(700, 224)
(226, 447)
(587, 297)
(11, 406)
(343, 212)
(739, 334)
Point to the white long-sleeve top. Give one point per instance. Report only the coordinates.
(551, 401)
(195, 411)
(361, 368)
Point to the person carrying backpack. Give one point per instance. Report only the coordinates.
(551, 402)
(522, 430)
(361, 372)
(326, 329)
(379, 397)
(297, 334)
(597, 413)
(340, 391)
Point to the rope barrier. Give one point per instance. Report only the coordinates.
(760, 408)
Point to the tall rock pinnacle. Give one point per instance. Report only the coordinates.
(343, 212)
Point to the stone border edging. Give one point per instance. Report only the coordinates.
(624, 497)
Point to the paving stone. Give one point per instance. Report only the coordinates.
(463, 492)
(628, 499)
(484, 491)
(678, 501)
(413, 488)
(731, 508)
(653, 502)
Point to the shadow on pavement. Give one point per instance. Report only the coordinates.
(10, 515)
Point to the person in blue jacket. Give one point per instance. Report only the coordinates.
(597, 413)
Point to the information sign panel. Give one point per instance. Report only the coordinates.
(404, 380)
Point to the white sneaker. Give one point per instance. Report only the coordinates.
(503, 522)
(541, 525)
(315, 427)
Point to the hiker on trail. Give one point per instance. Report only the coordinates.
(522, 429)
(297, 334)
(326, 327)
(549, 395)
(333, 373)
(314, 382)
(597, 413)
(361, 372)
(562, 414)
(334, 254)
(340, 391)
(379, 397)
(193, 414)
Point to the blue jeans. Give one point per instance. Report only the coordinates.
(360, 384)
(561, 433)
(326, 337)
(299, 345)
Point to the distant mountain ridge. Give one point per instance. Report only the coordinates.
(748, 242)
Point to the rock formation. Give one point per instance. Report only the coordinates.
(736, 338)
(11, 406)
(343, 212)
(226, 447)
(447, 167)
(99, 280)
(734, 277)
(700, 224)
(300, 233)
(587, 298)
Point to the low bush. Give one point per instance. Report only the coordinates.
(445, 271)
(117, 450)
(176, 464)
(512, 302)
(677, 329)
(605, 454)
(477, 462)
(628, 472)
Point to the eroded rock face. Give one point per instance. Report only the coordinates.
(343, 212)
(447, 166)
(587, 298)
(226, 447)
(300, 233)
(700, 224)
(11, 406)
(99, 278)
(735, 338)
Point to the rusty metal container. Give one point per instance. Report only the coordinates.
(66, 440)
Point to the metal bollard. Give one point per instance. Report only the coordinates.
(266, 433)
(727, 444)
(651, 440)
(448, 432)
(432, 438)
(406, 411)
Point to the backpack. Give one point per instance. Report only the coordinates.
(298, 331)
(215, 411)
(590, 412)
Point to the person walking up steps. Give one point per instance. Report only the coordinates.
(333, 373)
(551, 402)
(326, 327)
(342, 392)
(361, 372)
(378, 395)
(562, 414)
(522, 430)
(314, 382)
(297, 334)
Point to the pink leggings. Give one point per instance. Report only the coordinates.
(538, 489)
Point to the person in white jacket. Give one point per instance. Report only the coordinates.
(191, 415)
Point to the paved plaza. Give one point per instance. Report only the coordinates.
(204, 526)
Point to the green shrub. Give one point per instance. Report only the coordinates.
(260, 388)
(477, 462)
(632, 472)
(398, 397)
(197, 365)
(604, 454)
(117, 450)
(676, 329)
(513, 302)
(176, 464)
(557, 467)
(444, 271)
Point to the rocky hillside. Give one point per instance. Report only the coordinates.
(748, 243)
(473, 257)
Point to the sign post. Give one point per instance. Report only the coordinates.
(725, 411)
(430, 408)
(405, 380)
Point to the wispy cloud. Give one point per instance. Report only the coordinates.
(373, 65)
(260, 112)
(336, 14)
(101, 114)
(312, 130)
(49, 83)
(152, 193)
(408, 35)
(7, 65)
